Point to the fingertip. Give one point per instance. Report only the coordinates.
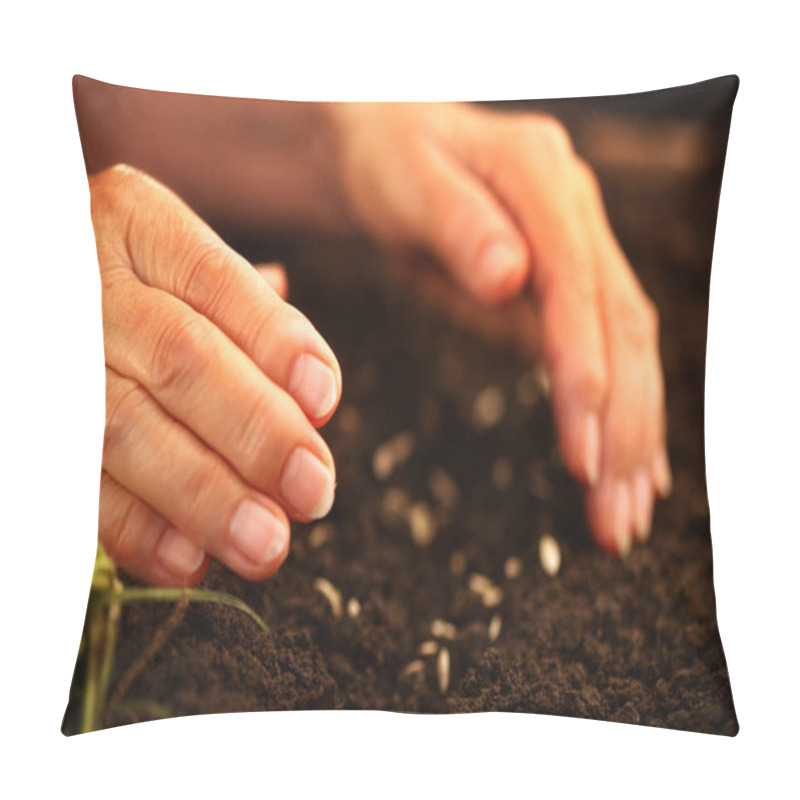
(501, 272)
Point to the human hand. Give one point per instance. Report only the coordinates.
(214, 388)
(506, 204)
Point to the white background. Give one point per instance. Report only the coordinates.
(51, 395)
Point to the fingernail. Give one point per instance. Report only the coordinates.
(313, 385)
(621, 512)
(642, 505)
(179, 555)
(662, 475)
(307, 484)
(496, 264)
(257, 533)
(592, 449)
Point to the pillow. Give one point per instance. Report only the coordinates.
(505, 297)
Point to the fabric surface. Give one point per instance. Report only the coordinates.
(462, 578)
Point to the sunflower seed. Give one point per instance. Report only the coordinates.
(320, 535)
(540, 486)
(512, 568)
(443, 488)
(391, 454)
(549, 555)
(442, 629)
(543, 379)
(443, 669)
(394, 504)
(428, 648)
(349, 420)
(331, 594)
(353, 607)
(492, 597)
(491, 594)
(413, 668)
(488, 408)
(421, 522)
(495, 624)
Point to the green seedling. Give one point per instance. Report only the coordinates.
(106, 597)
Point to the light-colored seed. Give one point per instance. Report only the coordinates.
(331, 594)
(495, 626)
(458, 563)
(428, 648)
(353, 607)
(392, 453)
(442, 629)
(543, 379)
(527, 389)
(394, 504)
(422, 524)
(491, 594)
(320, 534)
(349, 420)
(502, 473)
(413, 668)
(488, 408)
(512, 568)
(443, 669)
(549, 555)
(479, 583)
(492, 597)
(443, 488)
(540, 486)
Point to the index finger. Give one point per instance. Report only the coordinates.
(195, 265)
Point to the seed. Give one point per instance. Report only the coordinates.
(549, 555)
(495, 624)
(512, 568)
(527, 389)
(458, 563)
(428, 648)
(331, 594)
(492, 597)
(442, 629)
(394, 504)
(349, 420)
(353, 607)
(479, 583)
(443, 488)
(443, 669)
(413, 668)
(391, 454)
(320, 535)
(423, 527)
(543, 379)
(502, 473)
(488, 408)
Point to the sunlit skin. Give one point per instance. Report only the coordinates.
(216, 385)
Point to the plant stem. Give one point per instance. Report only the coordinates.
(131, 594)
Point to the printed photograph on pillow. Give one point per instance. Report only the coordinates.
(404, 407)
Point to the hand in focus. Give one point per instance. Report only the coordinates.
(214, 388)
(506, 204)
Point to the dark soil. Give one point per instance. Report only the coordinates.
(631, 640)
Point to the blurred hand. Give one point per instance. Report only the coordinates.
(214, 387)
(506, 204)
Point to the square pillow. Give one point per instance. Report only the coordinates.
(502, 346)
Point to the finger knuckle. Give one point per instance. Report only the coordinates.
(202, 485)
(123, 414)
(204, 283)
(177, 351)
